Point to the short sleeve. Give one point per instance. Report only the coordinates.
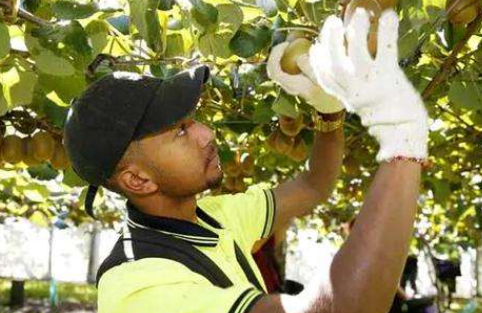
(191, 297)
(250, 215)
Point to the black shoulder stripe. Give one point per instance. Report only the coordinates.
(248, 271)
(270, 213)
(246, 301)
(207, 219)
(150, 244)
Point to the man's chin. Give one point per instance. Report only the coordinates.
(215, 183)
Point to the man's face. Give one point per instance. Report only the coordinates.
(182, 160)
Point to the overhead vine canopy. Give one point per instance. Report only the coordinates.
(50, 51)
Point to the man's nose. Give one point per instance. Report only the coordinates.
(205, 135)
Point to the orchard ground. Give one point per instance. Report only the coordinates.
(81, 298)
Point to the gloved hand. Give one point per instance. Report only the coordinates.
(375, 89)
(303, 84)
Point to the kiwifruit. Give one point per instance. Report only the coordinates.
(28, 156)
(299, 152)
(43, 146)
(464, 12)
(294, 50)
(283, 143)
(247, 165)
(232, 168)
(59, 159)
(291, 126)
(12, 149)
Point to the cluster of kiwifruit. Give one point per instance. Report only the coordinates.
(287, 140)
(460, 12)
(33, 150)
(463, 11)
(236, 170)
(299, 45)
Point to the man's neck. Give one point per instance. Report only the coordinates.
(178, 208)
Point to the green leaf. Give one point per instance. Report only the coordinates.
(285, 105)
(121, 23)
(66, 87)
(38, 218)
(230, 17)
(215, 45)
(34, 192)
(467, 95)
(72, 179)
(71, 10)
(406, 43)
(263, 112)
(226, 154)
(204, 14)
(435, 3)
(97, 32)
(3, 102)
(56, 114)
(250, 40)
(144, 17)
(68, 41)
(441, 190)
(42, 172)
(18, 82)
(175, 46)
(32, 43)
(4, 41)
(313, 10)
(76, 44)
(49, 63)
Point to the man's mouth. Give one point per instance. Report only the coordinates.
(213, 158)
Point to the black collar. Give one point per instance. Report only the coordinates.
(187, 231)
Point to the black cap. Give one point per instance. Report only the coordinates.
(120, 108)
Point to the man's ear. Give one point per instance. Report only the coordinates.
(137, 181)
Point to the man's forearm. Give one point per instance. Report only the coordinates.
(325, 163)
(299, 196)
(365, 272)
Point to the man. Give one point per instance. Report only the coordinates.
(148, 149)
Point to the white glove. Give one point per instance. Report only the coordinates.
(302, 84)
(375, 89)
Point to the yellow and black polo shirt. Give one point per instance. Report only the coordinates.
(164, 285)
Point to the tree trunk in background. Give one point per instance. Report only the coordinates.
(478, 270)
(17, 294)
(94, 253)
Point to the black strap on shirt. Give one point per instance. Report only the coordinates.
(248, 271)
(242, 261)
(148, 243)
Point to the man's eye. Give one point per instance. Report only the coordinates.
(181, 131)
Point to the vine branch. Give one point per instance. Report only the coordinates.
(452, 58)
(32, 18)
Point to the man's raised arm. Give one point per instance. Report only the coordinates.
(298, 197)
(364, 274)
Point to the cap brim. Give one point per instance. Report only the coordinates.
(175, 99)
